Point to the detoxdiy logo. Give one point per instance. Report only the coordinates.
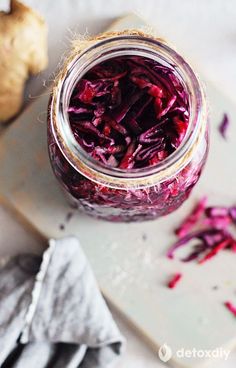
(165, 353)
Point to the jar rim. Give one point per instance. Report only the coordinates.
(95, 170)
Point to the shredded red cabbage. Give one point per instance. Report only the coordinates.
(174, 280)
(232, 213)
(224, 125)
(129, 112)
(231, 308)
(211, 239)
(192, 219)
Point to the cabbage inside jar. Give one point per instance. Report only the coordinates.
(127, 129)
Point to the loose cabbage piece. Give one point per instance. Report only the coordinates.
(232, 213)
(208, 240)
(216, 249)
(224, 125)
(174, 280)
(129, 112)
(192, 219)
(211, 239)
(231, 308)
(219, 217)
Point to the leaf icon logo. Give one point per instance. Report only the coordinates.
(165, 353)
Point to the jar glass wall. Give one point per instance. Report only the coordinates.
(111, 193)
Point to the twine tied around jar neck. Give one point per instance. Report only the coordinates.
(81, 43)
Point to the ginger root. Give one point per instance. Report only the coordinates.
(23, 52)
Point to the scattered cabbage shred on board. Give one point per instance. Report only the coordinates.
(231, 308)
(211, 227)
(174, 280)
(224, 125)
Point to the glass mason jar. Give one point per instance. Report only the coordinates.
(115, 194)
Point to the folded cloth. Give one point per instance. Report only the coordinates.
(52, 313)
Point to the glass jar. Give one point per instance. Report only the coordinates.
(112, 193)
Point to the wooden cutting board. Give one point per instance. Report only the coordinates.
(129, 259)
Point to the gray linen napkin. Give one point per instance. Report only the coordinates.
(52, 313)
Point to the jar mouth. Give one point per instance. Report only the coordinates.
(126, 45)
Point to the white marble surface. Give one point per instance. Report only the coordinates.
(205, 31)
